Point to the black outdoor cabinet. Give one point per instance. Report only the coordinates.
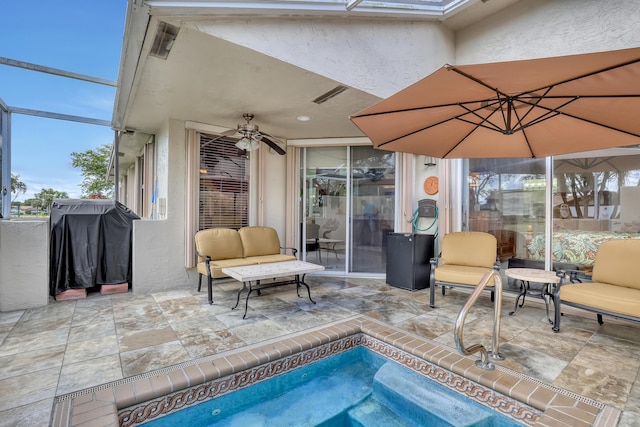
(408, 258)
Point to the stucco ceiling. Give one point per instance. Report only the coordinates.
(209, 80)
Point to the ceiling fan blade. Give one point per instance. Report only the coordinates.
(226, 134)
(229, 132)
(267, 139)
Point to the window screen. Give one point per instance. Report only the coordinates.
(224, 184)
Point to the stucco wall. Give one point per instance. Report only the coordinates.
(273, 176)
(378, 57)
(542, 28)
(159, 246)
(24, 264)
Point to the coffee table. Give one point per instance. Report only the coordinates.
(252, 275)
(528, 275)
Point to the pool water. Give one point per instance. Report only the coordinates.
(357, 388)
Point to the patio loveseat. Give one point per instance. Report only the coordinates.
(614, 289)
(218, 248)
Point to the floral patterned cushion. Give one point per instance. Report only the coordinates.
(575, 247)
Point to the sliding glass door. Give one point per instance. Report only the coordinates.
(347, 207)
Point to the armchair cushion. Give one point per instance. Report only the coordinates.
(461, 274)
(619, 299)
(259, 241)
(469, 248)
(219, 243)
(614, 263)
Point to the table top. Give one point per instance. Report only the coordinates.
(324, 240)
(532, 275)
(271, 270)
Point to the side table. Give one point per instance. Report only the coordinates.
(528, 275)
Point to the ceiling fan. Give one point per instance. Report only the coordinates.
(250, 136)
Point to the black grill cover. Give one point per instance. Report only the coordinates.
(90, 244)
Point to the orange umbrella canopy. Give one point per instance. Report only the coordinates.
(531, 108)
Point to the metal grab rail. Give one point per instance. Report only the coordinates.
(484, 354)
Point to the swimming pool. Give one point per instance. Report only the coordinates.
(357, 387)
(137, 400)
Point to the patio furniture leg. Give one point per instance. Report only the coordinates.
(302, 282)
(244, 286)
(246, 301)
(210, 289)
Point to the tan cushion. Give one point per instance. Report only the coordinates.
(217, 266)
(469, 248)
(461, 274)
(617, 261)
(604, 296)
(266, 259)
(219, 243)
(259, 241)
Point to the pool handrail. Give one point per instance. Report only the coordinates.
(484, 362)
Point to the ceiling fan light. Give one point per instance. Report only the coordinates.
(253, 145)
(244, 143)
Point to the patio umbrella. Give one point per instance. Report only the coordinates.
(531, 108)
(597, 164)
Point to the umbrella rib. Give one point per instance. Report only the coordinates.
(551, 113)
(493, 127)
(592, 73)
(475, 79)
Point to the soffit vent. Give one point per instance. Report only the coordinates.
(163, 42)
(332, 93)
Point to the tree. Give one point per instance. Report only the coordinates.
(17, 187)
(34, 203)
(47, 196)
(94, 165)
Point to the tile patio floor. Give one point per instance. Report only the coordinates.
(70, 345)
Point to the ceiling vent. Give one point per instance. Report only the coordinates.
(165, 36)
(332, 93)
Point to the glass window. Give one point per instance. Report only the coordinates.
(596, 198)
(506, 197)
(372, 207)
(224, 184)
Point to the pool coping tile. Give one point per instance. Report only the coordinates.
(106, 404)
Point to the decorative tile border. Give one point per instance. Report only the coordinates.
(138, 414)
(133, 400)
(469, 389)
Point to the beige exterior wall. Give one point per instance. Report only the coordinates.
(378, 57)
(24, 264)
(159, 245)
(542, 28)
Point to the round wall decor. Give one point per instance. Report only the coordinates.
(431, 185)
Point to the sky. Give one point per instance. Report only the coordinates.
(79, 36)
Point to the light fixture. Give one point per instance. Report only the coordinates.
(249, 143)
(429, 161)
(303, 118)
